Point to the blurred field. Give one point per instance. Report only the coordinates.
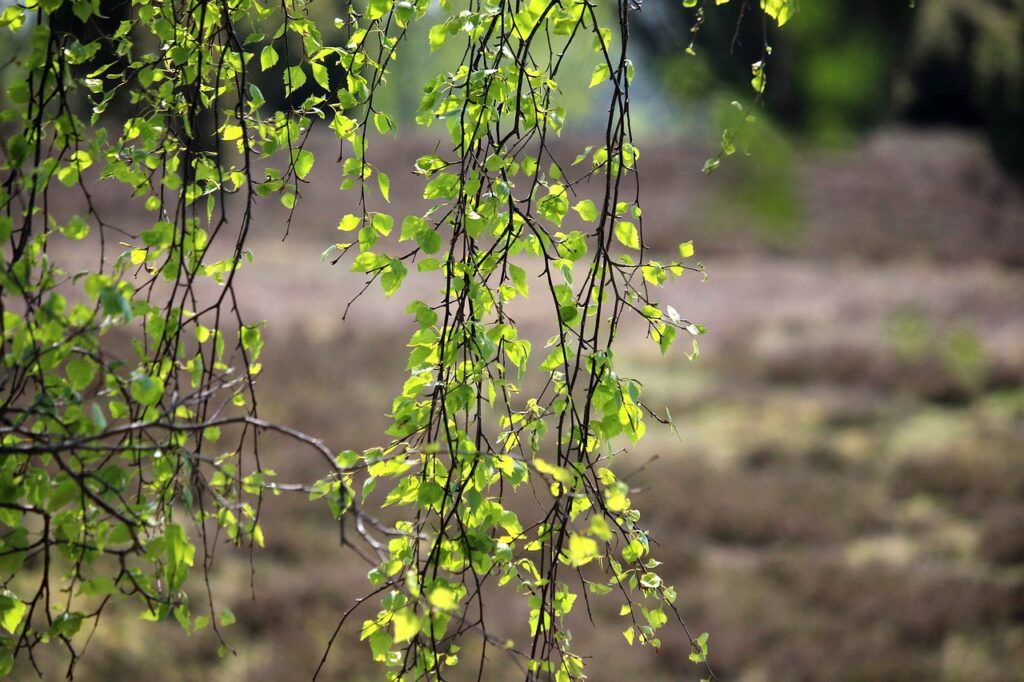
(845, 500)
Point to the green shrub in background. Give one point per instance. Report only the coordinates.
(847, 67)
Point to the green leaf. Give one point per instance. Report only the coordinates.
(302, 159)
(294, 78)
(76, 228)
(114, 303)
(627, 234)
(406, 623)
(411, 225)
(383, 224)
(343, 126)
(349, 223)
(600, 75)
(665, 337)
(320, 75)
(380, 644)
(573, 246)
(436, 36)
(582, 550)
(650, 580)
(12, 610)
(375, 9)
(98, 418)
(392, 278)
(518, 277)
(147, 390)
(367, 261)
(686, 249)
(587, 210)
(383, 123)
(231, 132)
(554, 205)
(18, 91)
(268, 57)
(444, 186)
(444, 598)
(429, 240)
(780, 10)
(81, 372)
(759, 79)
(83, 10)
(560, 474)
(699, 652)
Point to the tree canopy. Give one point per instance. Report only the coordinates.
(129, 425)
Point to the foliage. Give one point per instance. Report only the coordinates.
(129, 420)
(837, 62)
(968, 57)
(849, 67)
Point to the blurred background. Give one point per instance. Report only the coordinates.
(845, 497)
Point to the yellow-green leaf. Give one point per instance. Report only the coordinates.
(303, 161)
(587, 210)
(268, 57)
(13, 610)
(444, 598)
(582, 550)
(406, 623)
(627, 234)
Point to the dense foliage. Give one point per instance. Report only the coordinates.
(129, 420)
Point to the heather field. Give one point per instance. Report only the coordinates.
(842, 497)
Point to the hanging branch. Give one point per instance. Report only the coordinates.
(129, 429)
